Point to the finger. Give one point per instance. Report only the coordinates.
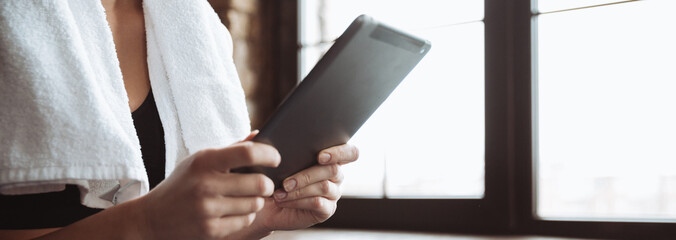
(235, 184)
(326, 189)
(240, 155)
(221, 227)
(222, 207)
(312, 175)
(251, 135)
(340, 154)
(321, 207)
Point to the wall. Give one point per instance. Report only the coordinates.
(264, 38)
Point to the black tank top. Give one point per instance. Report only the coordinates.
(58, 209)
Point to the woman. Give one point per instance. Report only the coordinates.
(199, 199)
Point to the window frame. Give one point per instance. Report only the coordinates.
(525, 69)
(490, 214)
(508, 205)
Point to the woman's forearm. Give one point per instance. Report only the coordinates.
(125, 221)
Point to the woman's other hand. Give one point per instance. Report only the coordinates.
(203, 200)
(309, 196)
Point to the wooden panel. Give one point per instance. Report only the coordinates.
(265, 45)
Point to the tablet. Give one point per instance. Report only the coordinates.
(360, 70)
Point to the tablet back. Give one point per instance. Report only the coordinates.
(347, 85)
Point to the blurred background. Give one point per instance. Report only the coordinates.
(601, 122)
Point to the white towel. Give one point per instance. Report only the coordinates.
(64, 114)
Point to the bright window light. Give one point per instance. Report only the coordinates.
(607, 112)
(427, 139)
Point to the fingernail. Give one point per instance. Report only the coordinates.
(255, 131)
(280, 195)
(290, 185)
(324, 157)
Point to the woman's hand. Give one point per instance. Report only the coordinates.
(202, 200)
(309, 197)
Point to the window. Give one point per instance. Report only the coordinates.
(556, 76)
(426, 140)
(606, 113)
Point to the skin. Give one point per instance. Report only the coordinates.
(201, 199)
(126, 21)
